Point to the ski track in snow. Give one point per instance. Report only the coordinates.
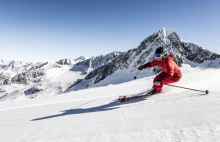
(94, 115)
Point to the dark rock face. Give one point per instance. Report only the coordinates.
(33, 74)
(6, 82)
(197, 54)
(32, 91)
(63, 62)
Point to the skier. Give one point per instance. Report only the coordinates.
(171, 72)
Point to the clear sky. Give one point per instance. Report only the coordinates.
(49, 30)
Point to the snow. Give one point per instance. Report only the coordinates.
(95, 115)
(164, 33)
(206, 64)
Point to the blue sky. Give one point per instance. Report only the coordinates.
(49, 30)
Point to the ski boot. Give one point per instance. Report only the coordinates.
(122, 99)
(152, 92)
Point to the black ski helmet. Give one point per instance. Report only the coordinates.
(161, 50)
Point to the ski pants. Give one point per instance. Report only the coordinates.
(175, 78)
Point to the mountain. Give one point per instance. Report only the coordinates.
(22, 80)
(197, 54)
(71, 61)
(19, 78)
(126, 63)
(97, 62)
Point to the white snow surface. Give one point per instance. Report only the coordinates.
(94, 115)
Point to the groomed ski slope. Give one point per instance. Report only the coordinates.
(94, 115)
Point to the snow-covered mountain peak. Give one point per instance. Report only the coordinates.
(164, 33)
(2, 61)
(71, 61)
(81, 58)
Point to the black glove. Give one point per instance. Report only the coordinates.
(157, 82)
(140, 68)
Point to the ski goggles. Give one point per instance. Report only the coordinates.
(157, 55)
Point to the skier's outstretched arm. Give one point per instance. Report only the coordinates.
(149, 64)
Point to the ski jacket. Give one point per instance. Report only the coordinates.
(169, 67)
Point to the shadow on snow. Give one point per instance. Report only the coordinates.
(106, 107)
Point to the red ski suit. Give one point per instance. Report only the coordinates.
(171, 72)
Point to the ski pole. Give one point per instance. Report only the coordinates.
(207, 91)
(135, 77)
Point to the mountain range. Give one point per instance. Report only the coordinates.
(25, 80)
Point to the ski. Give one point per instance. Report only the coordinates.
(128, 98)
